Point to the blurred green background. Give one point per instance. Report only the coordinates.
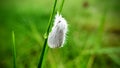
(93, 39)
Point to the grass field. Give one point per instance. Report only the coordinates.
(93, 38)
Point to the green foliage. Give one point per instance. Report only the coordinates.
(93, 39)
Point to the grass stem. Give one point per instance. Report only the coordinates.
(61, 6)
(45, 48)
(14, 49)
(45, 42)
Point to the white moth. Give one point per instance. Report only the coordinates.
(57, 36)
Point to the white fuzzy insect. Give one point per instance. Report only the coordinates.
(57, 36)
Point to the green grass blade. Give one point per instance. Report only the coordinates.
(14, 49)
(51, 17)
(42, 54)
(45, 42)
(60, 10)
(45, 48)
(115, 58)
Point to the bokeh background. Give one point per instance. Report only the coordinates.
(93, 39)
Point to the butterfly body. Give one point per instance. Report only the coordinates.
(57, 36)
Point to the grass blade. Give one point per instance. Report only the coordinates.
(45, 42)
(14, 49)
(60, 10)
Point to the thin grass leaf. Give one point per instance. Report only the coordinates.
(45, 42)
(45, 48)
(91, 61)
(115, 58)
(14, 49)
(61, 7)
